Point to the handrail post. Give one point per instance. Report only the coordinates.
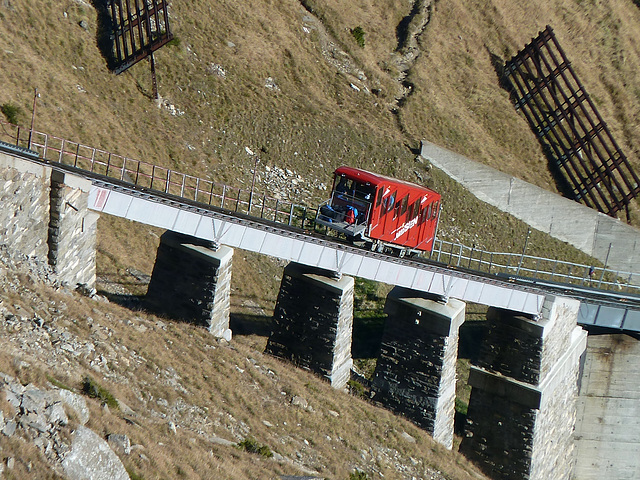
(109, 165)
(211, 194)
(291, 215)
(606, 262)
(124, 168)
(137, 173)
(524, 249)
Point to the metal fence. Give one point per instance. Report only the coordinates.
(538, 268)
(161, 179)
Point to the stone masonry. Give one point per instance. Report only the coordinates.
(72, 230)
(416, 371)
(192, 282)
(24, 195)
(522, 409)
(313, 323)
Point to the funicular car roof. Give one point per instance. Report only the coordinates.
(377, 179)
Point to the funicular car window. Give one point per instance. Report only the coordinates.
(415, 208)
(388, 203)
(404, 203)
(434, 212)
(379, 197)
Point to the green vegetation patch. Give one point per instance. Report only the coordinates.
(11, 112)
(91, 389)
(358, 35)
(251, 445)
(358, 475)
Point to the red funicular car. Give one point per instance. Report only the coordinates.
(382, 212)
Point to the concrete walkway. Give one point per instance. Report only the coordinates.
(580, 226)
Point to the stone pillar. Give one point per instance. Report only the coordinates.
(416, 371)
(313, 322)
(192, 282)
(24, 196)
(72, 230)
(522, 408)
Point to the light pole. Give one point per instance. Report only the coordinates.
(33, 115)
(253, 179)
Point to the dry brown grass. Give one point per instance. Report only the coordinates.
(181, 374)
(456, 102)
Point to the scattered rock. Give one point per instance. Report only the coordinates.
(297, 401)
(271, 84)
(119, 443)
(217, 70)
(172, 427)
(408, 437)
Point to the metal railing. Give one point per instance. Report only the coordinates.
(153, 177)
(538, 268)
(148, 176)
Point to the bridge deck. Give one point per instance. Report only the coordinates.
(288, 244)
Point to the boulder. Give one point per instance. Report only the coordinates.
(91, 458)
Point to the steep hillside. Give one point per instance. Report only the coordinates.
(308, 85)
(191, 407)
(289, 80)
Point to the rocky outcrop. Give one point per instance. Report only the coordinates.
(40, 416)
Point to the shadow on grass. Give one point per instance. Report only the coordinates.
(126, 300)
(367, 335)
(246, 324)
(104, 37)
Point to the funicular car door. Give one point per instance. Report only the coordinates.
(386, 212)
(415, 229)
(428, 220)
(399, 231)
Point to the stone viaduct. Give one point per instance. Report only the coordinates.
(531, 380)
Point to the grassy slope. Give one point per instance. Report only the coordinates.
(316, 120)
(164, 372)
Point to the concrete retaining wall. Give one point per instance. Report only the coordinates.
(580, 226)
(607, 432)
